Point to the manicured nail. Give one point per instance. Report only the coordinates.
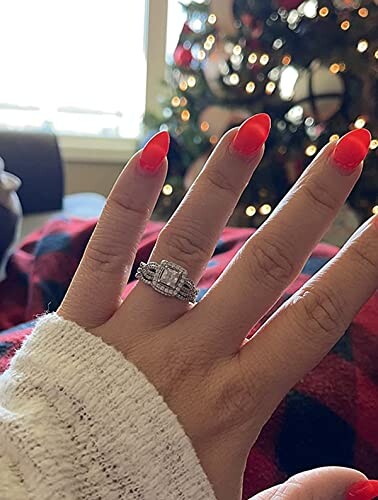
(363, 490)
(252, 134)
(352, 149)
(154, 152)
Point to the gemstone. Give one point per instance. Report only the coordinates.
(170, 277)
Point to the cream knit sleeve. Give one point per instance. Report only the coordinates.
(78, 421)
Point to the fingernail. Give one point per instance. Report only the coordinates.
(351, 150)
(363, 490)
(252, 134)
(154, 152)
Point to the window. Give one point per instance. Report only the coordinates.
(76, 67)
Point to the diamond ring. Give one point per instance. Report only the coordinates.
(168, 279)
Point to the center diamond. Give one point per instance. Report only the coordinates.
(170, 277)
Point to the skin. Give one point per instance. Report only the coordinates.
(224, 389)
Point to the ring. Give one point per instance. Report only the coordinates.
(168, 279)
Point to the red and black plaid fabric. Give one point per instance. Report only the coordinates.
(329, 418)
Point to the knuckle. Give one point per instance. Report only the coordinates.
(102, 259)
(270, 264)
(186, 245)
(323, 313)
(127, 206)
(364, 255)
(222, 183)
(319, 195)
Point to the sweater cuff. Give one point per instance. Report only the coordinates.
(135, 432)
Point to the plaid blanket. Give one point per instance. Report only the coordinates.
(329, 418)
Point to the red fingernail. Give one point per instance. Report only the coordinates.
(363, 490)
(352, 149)
(154, 152)
(252, 134)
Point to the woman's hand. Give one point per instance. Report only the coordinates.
(222, 388)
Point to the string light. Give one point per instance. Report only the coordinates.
(270, 88)
(234, 79)
(213, 139)
(342, 66)
(208, 45)
(374, 144)
(323, 12)
(185, 115)
(250, 87)
(363, 12)
(264, 59)
(362, 46)
(212, 18)
(311, 150)
(175, 101)
(265, 209)
(167, 190)
(183, 101)
(201, 55)
(334, 68)
(252, 58)
(211, 38)
(183, 85)
(192, 81)
(237, 50)
(286, 60)
(250, 211)
(345, 25)
(375, 210)
(334, 138)
(376, 54)
(205, 126)
(360, 122)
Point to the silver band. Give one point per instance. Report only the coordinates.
(168, 279)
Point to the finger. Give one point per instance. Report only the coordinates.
(308, 325)
(190, 236)
(276, 253)
(328, 483)
(95, 292)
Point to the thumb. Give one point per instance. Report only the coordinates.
(328, 483)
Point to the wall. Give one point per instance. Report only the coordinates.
(91, 177)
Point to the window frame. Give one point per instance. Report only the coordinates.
(88, 149)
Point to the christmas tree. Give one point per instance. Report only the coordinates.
(312, 65)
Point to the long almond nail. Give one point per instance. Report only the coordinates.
(363, 490)
(351, 150)
(154, 152)
(252, 134)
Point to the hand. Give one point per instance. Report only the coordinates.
(222, 388)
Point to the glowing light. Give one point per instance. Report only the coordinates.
(213, 139)
(311, 150)
(375, 210)
(250, 87)
(286, 60)
(167, 190)
(265, 209)
(183, 85)
(376, 54)
(270, 88)
(175, 101)
(211, 38)
(310, 8)
(345, 25)
(323, 12)
(252, 58)
(374, 144)
(289, 77)
(362, 46)
(334, 138)
(185, 115)
(208, 45)
(334, 68)
(234, 79)
(192, 81)
(237, 50)
(205, 126)
(250, 211)
(342, 66)
(264, 59)
(360, 122)
(201, 55)
(183, 101)
(363, 12)
(197, 25)
(212, 18)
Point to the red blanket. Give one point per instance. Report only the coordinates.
(329, 418)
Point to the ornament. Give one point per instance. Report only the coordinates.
(289, 4)
(182, 56)
(223, 9)
(346, 4)
(319, 92)
(214, 68)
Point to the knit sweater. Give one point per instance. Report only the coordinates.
(79, 421)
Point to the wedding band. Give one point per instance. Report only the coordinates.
(169, 279)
